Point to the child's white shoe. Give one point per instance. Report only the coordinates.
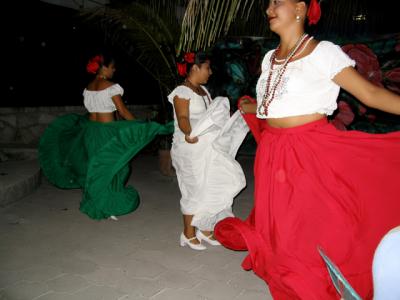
(185, 241)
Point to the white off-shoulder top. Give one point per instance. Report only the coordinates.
(306, 86)
(101, 101)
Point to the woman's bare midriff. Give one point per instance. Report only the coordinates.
(102, 117)
(288, 122)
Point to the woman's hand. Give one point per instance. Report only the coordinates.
(247, 106)
(190, 140)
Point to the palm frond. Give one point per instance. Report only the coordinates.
(140, 30)
(206, 20)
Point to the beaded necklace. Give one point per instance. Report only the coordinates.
(298, 53)
(199, 91)
(270, 90)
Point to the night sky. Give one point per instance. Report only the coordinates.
(46, 50)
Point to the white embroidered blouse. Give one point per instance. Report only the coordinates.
(306, 86)
(100, 101)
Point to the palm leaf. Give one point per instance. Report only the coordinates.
(206, 20)
(140, 30)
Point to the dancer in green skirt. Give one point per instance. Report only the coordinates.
(92, 152)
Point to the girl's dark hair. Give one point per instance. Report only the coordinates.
(199, 58)
(107, 58)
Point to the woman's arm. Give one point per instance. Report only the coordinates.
(181, 107)
(121, 107)
(368, 93)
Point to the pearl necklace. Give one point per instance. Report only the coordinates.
(297, 54)
(270, 90)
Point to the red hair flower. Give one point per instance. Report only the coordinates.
(189, 57)
(181, 69)
(94, 64)
(314, 12)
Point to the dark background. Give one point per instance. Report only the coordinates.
(45, 51)
(46, 47)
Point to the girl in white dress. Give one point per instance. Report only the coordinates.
(205, 142)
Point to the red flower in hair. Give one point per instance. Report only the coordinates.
(181, 69)
(189, 57)
(314, 12)
(98, 58)
(92, 67)
(94, 64)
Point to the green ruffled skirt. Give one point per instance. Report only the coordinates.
(77, 153)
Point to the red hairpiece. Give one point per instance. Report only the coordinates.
(314, 12)
(181, 69)
(189, 57)
(94, 64)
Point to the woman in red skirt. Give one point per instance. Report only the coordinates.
(315, 186)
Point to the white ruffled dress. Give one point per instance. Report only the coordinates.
(208, 175)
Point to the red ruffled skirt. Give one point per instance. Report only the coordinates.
(317, 186)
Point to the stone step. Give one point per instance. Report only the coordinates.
(18, 179)
(15, 152)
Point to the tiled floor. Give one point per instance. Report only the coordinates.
(51, 251)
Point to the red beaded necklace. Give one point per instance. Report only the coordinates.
(270, 91)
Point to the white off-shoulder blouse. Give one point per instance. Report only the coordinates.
(306, 86)
(101, 101)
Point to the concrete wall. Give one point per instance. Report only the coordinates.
(25, 125)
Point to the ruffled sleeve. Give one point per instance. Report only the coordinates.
(182, 92)
(115, 89)
(330, 59)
